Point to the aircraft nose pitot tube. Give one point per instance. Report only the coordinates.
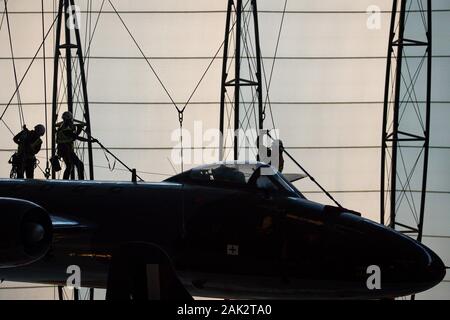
(25, 232)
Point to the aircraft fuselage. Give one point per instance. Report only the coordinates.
(223, 242)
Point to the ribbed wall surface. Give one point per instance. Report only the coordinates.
(327, 91)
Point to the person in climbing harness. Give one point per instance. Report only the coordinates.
(67, 133)
(278, 145)
(29, 144)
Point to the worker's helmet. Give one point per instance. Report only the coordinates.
(67, 116)
(39, 129)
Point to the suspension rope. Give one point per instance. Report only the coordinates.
(110, 167)
(47, 167)
(88, 34)
(144, 56)
(180, 120)
(268, 84)
(283, 150)
(27, 70)
(3, 18)
(7, 127)
(19, 100)
(229, 103)
(252, 47)
(207, 69)
(87, 25)
(249, 111)
(248, 46)
(179, 110)
(276, 53)
(114, 156)
(312, 178)
(88, 48)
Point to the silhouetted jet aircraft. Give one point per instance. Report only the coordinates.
(231, 230)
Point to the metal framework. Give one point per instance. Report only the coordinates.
(237, 34)
(406, 117)
(63, 295)
(72, 78)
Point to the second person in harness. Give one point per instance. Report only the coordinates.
(67, 133)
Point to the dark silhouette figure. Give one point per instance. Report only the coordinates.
(29, 144)
(67, 133)
(265, 153)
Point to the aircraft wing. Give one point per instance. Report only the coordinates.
(293, 177)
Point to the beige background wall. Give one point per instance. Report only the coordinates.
(327, 91)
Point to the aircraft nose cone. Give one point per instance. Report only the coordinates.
(407, 265)
(434, 271)
(425, 268)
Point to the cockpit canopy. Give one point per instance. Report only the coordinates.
(253, 175)
(236, 173)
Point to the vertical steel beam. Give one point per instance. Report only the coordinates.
(68, 48)
(60, 293)
(397, 103)
(223, 89)
(258, 66)
(76, 294)
(385, 110)
(237, 80)
(55, 81)
(428, 118)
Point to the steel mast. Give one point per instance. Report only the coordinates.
(406, 117)
(237, 47)
(70, 54)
